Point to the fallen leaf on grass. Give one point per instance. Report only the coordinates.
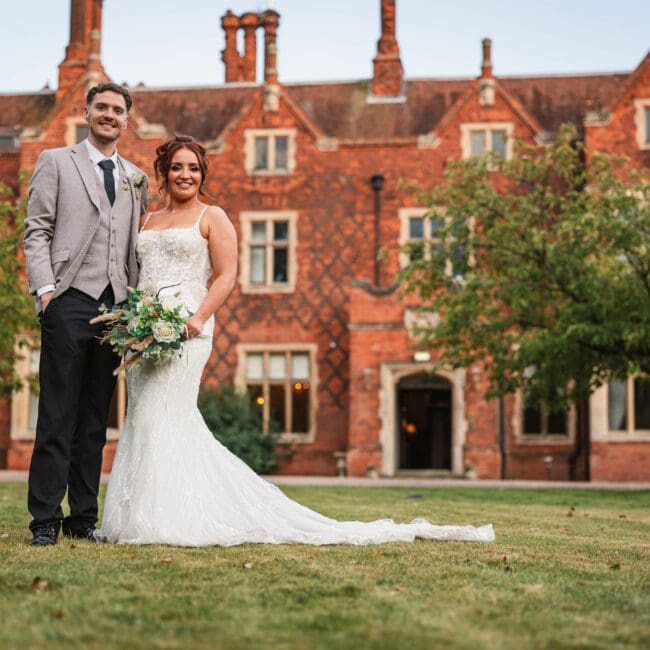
(248, 565)
(57, 613)
(38, 584)
(165, 560)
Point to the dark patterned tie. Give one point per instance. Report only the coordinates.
(109, 181)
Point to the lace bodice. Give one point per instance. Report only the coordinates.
(177, 258)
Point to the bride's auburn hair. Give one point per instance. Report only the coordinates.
(165, 153)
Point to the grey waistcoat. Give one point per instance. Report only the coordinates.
(107, 258)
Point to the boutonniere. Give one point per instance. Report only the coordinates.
(135, 181)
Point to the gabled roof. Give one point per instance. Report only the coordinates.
(200, 112)
(25, 109)
(556, 99)
(625, 87)
(341, 109)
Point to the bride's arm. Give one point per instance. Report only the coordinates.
(222, 245)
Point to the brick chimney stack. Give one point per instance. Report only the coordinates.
(270, 20)
(79, 31)
(486, 85)
(387, 66)
(82, 55)
(243, 67)
(230, 55)
(486, 64)
(250, 22)
(95, 55)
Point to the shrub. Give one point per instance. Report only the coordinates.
(237, 423)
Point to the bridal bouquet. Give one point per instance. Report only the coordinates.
(145, 326)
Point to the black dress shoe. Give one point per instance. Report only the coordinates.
(89, 533)
(44, 536)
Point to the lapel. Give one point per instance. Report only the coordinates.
(85, 168)
(125, 183)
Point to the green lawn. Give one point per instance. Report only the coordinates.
(569, 569)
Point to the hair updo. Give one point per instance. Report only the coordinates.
(165, 153)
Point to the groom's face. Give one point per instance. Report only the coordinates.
(107, 116)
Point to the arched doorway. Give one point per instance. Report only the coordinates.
(424, 422)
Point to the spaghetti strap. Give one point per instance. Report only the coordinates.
(198, 221)
(146, 221)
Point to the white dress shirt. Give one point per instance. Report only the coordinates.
(96, 157)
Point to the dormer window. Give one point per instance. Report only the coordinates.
(270, 151)
(81, 132)
(9, 141)
(76, 130)
(479, 138)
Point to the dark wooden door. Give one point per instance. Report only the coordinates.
(424, 428)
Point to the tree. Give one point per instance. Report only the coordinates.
(540, 270)
(237, 424)
(16, 307)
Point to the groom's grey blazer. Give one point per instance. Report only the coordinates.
(70, 222)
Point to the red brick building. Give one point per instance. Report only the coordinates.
(316, 326)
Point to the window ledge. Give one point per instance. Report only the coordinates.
(299, 438)
(622, 436)
(545, 439)
(23, 434)
(271, 288)
(269, 172)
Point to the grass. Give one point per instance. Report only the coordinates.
(569, 569)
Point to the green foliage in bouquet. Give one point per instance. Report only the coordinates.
(146, 326)
(237, 424)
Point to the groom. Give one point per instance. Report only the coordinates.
(80, 233)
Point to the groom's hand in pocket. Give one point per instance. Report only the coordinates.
(45, 300)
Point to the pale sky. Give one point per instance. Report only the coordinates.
(178, 42)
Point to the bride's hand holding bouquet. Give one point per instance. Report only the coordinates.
(146, 326)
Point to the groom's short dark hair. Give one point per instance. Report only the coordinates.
(113, 87)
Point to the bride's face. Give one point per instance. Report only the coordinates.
(184, 177)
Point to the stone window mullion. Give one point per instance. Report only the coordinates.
(266, 391)
(288, 406)
(629, 392)
(269, 252)
(271, 166)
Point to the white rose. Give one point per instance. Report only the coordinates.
(163, 332)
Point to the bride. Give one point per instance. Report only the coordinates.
(172, 482)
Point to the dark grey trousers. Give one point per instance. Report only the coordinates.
(76, 386)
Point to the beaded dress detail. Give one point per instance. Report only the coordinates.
(173, 483)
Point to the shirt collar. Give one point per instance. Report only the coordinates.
(97, 156)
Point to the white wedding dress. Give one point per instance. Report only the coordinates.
(173, 483)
